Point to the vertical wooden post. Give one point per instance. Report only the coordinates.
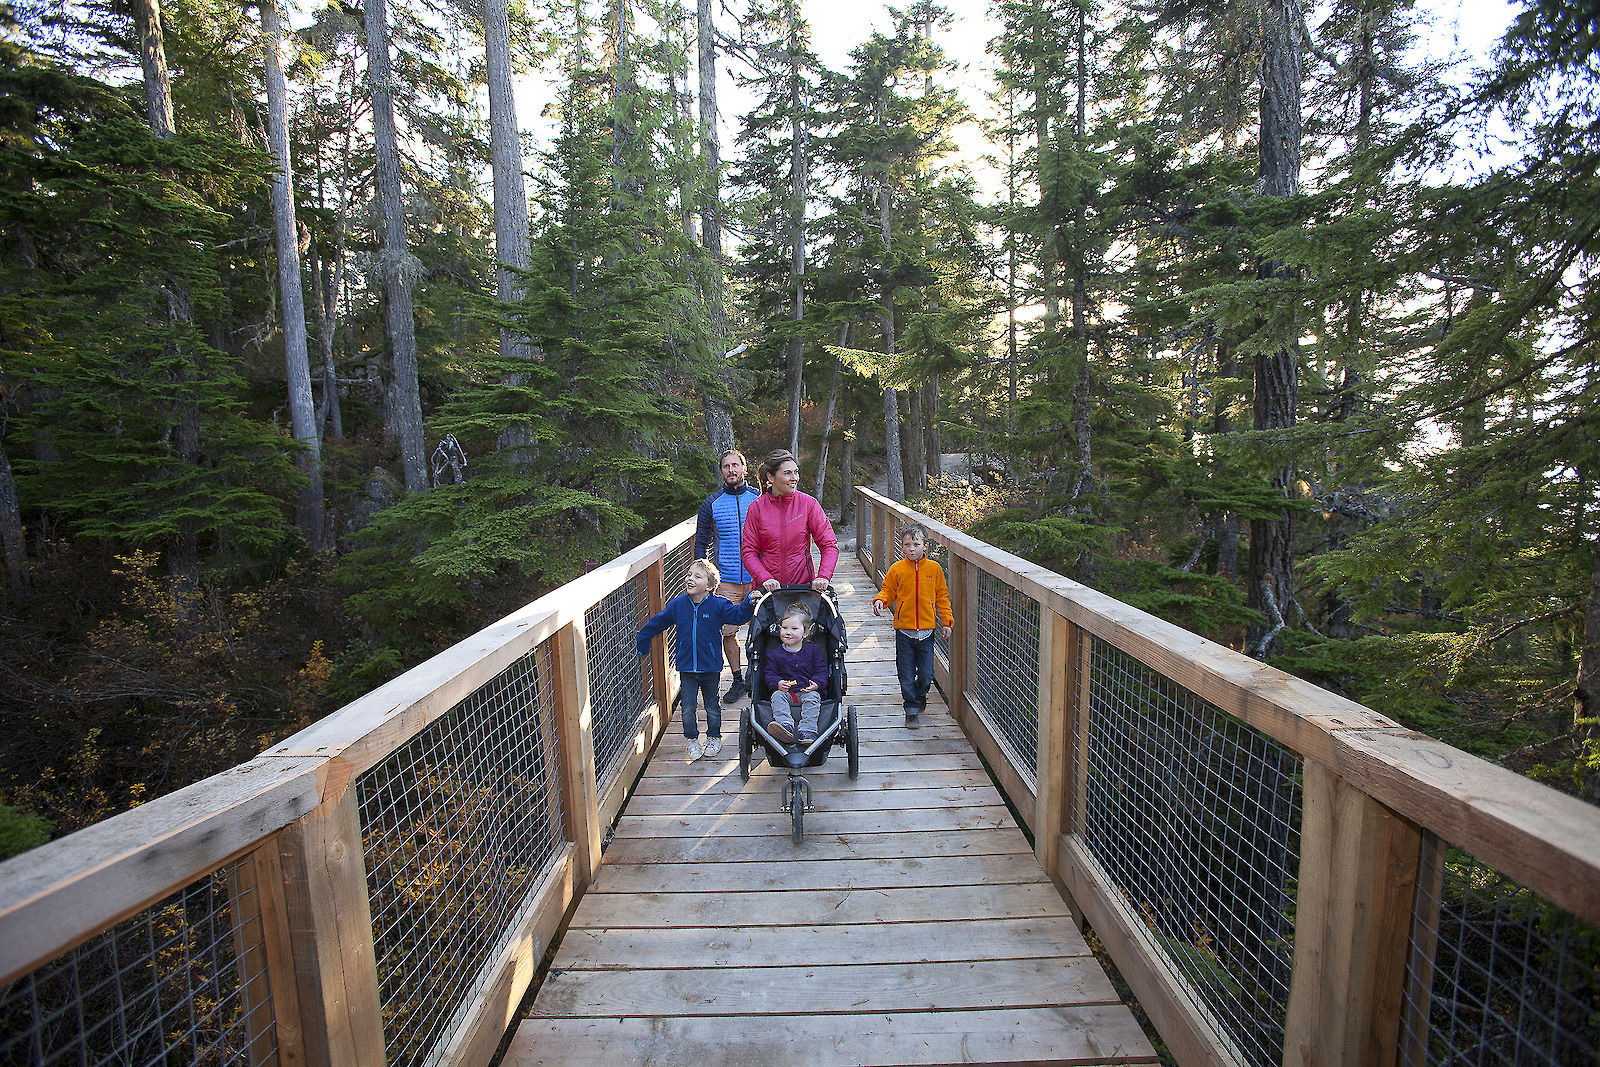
(1357, 883)
(330, 933)
(270, 1000)
(580, 793)
(655, 583)
(880, 542)
(863, 531)
(961, 637)
(1053, 769)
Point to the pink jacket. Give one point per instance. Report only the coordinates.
(777, 535)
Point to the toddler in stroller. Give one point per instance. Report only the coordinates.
(788, 743)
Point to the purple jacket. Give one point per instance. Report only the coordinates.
(806, 665)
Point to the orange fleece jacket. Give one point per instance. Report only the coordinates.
(915, 590)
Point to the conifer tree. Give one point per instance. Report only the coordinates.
(397, 265)
(297, 364)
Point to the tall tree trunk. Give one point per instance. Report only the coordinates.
(833, 407)
(931, 447)
(399, 313)
(912, 444)
(510, 201)
(799, 177)
(1083, 478)
(12, 545)
(296, 361)
(847, 475)
(719, 417)
(1222, 425)
(153, 65)
(891, 409)
(1277, 373)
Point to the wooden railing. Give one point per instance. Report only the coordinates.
(1275, 870)
(1280, 874)
(379, 887)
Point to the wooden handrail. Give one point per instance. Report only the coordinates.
(1494, 813)
(1371, 789)
(287, 823)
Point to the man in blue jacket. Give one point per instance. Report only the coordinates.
(721, 521)
(700, 618)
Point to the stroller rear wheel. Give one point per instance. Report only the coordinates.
(746, 745)
(852, 744)
(797, 809)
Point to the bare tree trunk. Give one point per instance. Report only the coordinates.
(913, 443)
(153, 64)
(396, 262)
(296, 361)
(12, 545)
(798, 180)
(891, 409)
(1277, 373)
(719, 417)
(827, 425)
(1084, 477)
(510, 201)
(847, 475)
(932, 449)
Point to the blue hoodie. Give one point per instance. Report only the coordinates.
(699, 629)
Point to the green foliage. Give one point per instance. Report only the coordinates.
(20, 831)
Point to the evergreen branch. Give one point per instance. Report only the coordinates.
(1506, 631)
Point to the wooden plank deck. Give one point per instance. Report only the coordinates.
(912, 926)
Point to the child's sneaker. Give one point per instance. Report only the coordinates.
(694, 749)
(713, 746)
(780, 731)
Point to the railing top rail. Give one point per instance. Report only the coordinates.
(60, 894)
(1544, 839)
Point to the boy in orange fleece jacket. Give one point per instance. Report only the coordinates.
(916, 588)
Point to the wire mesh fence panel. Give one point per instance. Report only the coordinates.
(1498, 975)
(1004, 668)
(673, 567)
(621, 683)
(182, 982)
(865, 521)
(459, 825)
(1196, 818)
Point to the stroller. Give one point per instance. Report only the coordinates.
(836, 723)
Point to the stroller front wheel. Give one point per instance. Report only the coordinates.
(797, 809)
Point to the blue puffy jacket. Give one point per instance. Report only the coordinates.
(721, 519)
(699, 628)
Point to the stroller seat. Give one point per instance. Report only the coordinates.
(835, 724)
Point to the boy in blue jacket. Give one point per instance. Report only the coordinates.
(699, 617)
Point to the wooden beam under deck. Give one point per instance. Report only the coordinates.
(913, 925)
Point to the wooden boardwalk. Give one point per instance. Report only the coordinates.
(913, 925)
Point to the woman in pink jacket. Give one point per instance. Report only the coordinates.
(779, 529)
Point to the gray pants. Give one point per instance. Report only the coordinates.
(810, 708)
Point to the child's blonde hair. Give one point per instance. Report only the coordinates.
(709, 569)
(913, 529)
(801, 612)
